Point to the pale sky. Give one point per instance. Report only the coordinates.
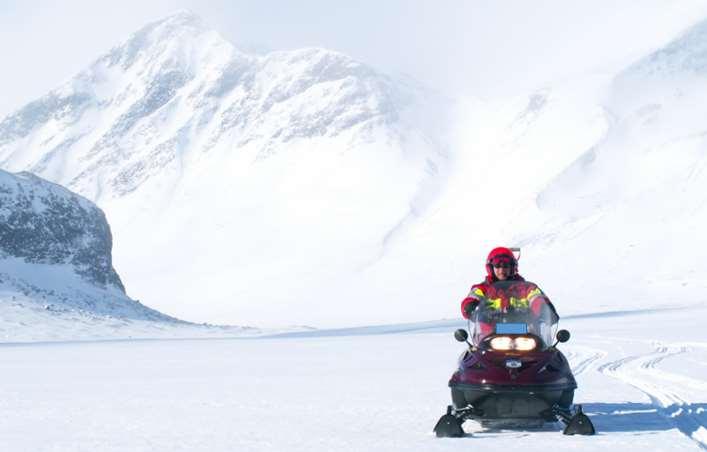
(476, 47)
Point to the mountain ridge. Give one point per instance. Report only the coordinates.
(202, 155)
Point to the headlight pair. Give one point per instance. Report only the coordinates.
(520, 343)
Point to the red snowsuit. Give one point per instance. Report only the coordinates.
(532, 297)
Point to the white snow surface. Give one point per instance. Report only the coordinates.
(642, 378)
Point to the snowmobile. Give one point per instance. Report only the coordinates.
(512, 374)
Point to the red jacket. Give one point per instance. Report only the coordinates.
(483, 290)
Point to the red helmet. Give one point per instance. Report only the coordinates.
(501, 254)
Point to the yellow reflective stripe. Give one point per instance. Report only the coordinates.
(521, 303)
(534, 293)
(493, 304)
(518, 302)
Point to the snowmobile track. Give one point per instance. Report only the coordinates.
(664, 389)
(614, 365)
(585, 362)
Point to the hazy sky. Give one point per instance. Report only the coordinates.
(483, 48)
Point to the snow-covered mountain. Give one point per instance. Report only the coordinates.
(55, 256)
(57, 280)
(304, 187)
(640, 192)
(176, 92)
(600, 179)
(237, 185)
(43, 223)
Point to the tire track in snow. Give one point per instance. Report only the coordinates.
(663, 389)
(663, 353)
(611, 367)
(584, 361)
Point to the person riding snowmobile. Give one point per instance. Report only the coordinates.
(502, 265)
(512, 370)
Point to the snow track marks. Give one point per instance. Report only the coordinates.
(581, 358)
(674, 396)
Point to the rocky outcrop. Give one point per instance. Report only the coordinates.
(43, 223)
(55, 257)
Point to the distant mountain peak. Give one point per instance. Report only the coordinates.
(168, 35)
(182, 20)
(182, 16)
(112, 117)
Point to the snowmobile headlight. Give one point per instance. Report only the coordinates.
(502, 343)
(525, 344)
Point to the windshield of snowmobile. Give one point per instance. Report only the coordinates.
(514, 307)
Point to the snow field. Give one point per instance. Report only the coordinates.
(372, 389)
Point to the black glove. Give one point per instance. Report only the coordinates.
(471, 307)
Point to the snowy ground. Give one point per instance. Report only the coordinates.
(642, 377)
